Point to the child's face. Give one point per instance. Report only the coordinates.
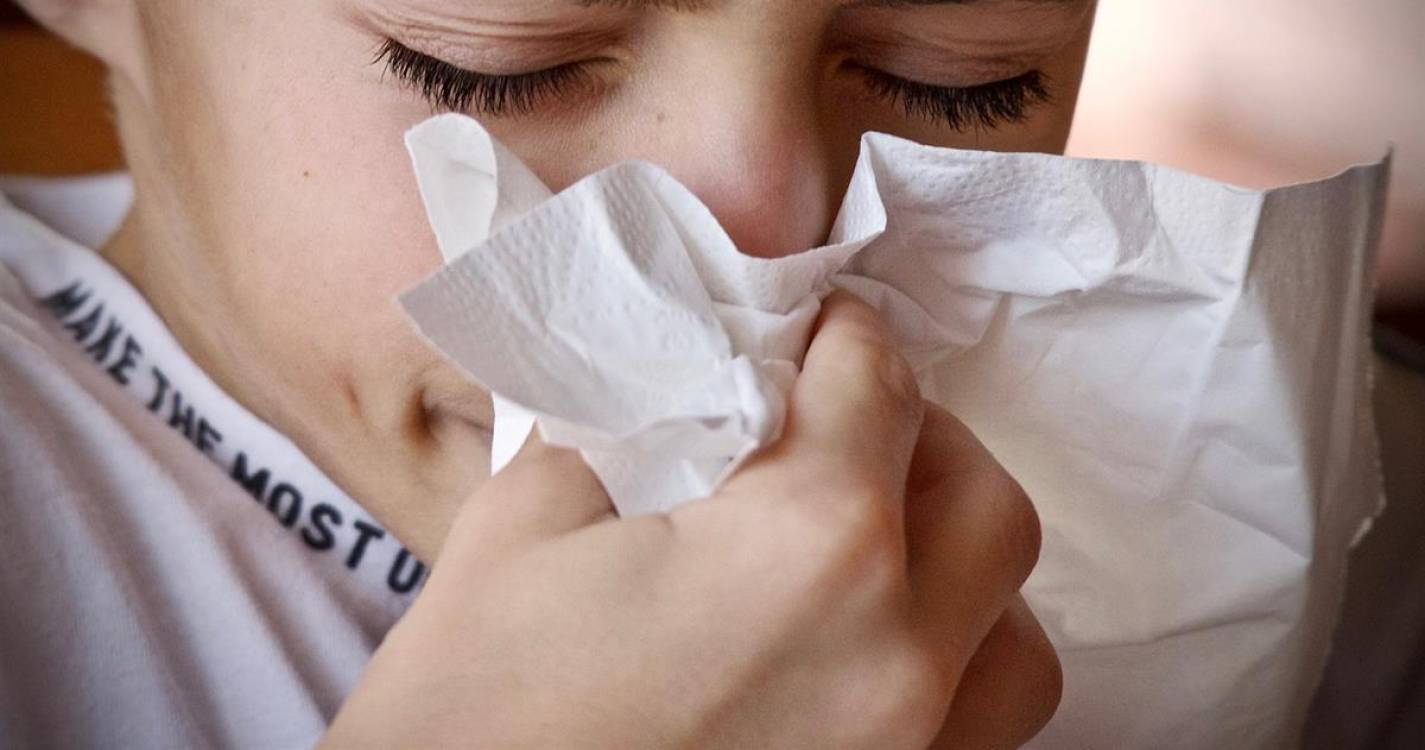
(278, 217)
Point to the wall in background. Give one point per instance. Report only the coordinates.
(1266, 93)
(10, 13)
(54, 115)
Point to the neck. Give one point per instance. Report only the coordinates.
(172, 277)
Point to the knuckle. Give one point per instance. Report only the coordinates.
(1046, 686)
(894, 379)
(1015, 676)
(1038, 680)
(1019, 526)
(866, 539)
(911, 698)
(851, 543)
(876, 372)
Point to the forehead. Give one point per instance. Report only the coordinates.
(534, 16)
(538, 7)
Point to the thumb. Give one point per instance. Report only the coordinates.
(545, 492)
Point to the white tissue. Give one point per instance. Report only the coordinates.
(1174, 369)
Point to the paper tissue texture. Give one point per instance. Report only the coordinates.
(1175, 370)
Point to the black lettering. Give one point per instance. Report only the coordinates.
(85, 326)
(393, 579)
(160, 389)
(256, 483)
(318, 535)
(367, 533)
(294, 506)
(101, 347)
(208, 437)
(66, 301)
(127, 359)
(180, 417)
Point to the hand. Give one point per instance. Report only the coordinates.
(831, 594)
(1012, 684)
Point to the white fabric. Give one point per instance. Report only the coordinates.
(1175, 369)
(147, 597)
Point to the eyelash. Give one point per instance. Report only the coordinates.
(983, 107)
(457, 89)
(447, 86)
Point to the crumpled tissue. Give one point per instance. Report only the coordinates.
(1175, 369)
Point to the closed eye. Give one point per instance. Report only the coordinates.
(982, 107)
(450, 87)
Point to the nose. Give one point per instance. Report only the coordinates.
(765, 179)
(747, 141)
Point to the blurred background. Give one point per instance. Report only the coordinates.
(53, 115)
(1257, 93)
(1266, 93)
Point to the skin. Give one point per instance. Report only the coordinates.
(276, 217)
(841, 611)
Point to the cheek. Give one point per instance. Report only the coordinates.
(329, 234)
(314, 222)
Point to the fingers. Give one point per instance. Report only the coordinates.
(857, 401)
(854, 412)
(545, 492)
(1010, 688)
(972, 536)
(853, 418)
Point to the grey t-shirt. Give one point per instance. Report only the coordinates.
(173, 572)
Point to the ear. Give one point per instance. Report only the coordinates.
(106, 29)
